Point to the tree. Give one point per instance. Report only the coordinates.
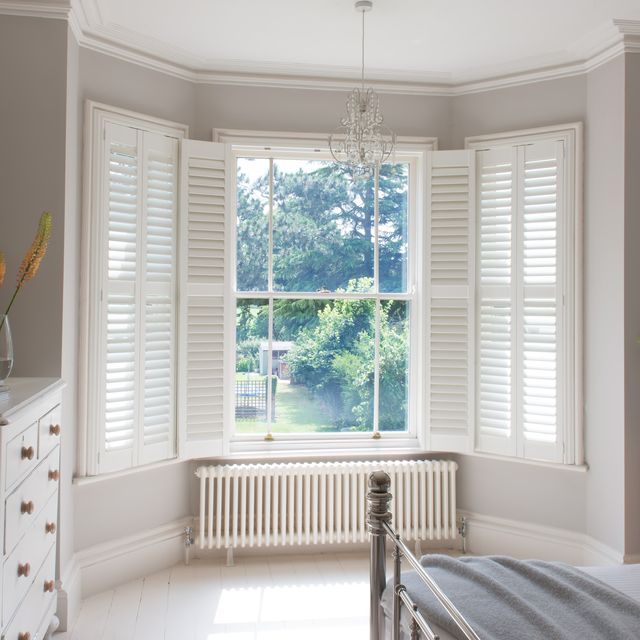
(323, 228)
(335, 360)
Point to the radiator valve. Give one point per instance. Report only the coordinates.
(462, 530)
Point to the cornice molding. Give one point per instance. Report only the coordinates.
(597, 48)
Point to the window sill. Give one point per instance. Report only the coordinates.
(84, 480)
(306, 447)
(560, 466)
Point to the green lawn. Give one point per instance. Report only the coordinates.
(296, 412)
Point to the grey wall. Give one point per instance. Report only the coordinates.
(33, 102)
(531, 105)
(314, 111)
(132, 503)
(632, 306)
(604, 303)
(129, 86)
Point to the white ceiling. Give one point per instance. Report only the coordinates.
(421, 40)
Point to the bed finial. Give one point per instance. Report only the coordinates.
(378, 514)
(378, 500)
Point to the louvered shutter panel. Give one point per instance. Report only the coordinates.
(121, 201)
(138, 293)
(158, 286)
(450, 296)
(496, 295)
(204, 377)
(540, 300)
(519, 300)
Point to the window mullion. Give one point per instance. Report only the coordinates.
(376, 284)
(269, 403)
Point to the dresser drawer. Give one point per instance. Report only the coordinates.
(49, 432)
(21, 454)
(28, 619)
(27, 558)
(25, 503)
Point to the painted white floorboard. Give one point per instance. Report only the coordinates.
(152, 612)
(279, 597)
(123, 614)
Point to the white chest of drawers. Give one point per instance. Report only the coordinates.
(30, 432)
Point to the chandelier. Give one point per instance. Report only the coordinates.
(362, 142)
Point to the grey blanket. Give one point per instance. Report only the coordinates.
(507, 599)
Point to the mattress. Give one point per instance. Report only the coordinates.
(625, 578)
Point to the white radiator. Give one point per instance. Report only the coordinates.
(258, 505)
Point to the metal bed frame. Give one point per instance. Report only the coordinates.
(379, 525)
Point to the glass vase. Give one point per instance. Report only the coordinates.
(6, 349)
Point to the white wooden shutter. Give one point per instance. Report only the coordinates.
(158, 295)
(450, 296)
(519, 300)
(139, 180)
(121, 201)
(496, 295)
(540, 300)
(204, 226)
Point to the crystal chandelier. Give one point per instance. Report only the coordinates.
(362, 142)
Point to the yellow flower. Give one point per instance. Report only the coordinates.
(3, 268)
(32, 260)
(34, 256)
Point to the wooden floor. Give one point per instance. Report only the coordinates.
(286, 597)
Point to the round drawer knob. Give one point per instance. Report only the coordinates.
(27, 507)
(26, 453)
(24, 635)
(50, 527)
(49, 586)
(24, 570)
(54, 429)
(54, 475)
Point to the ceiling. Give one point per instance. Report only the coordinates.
(447, 41)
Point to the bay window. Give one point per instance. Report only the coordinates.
(249, 297)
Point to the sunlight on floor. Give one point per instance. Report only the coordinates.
(286, 597)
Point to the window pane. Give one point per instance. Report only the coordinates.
(322, 366)
(392, 227)
(252, 322)
(323, 226)
(394, 365)
(252, 224)
(324, 352)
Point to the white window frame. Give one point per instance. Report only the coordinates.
(571, 431)
(96, 116)
(314, 146)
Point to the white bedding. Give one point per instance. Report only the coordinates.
(624, 578)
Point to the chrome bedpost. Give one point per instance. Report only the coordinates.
(397, 574)
(378, 514)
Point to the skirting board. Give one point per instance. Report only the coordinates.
(107, 565)
(489, 535)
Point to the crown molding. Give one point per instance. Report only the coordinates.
(85, 20)
(52, 9)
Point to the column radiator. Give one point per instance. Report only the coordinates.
(255, 505)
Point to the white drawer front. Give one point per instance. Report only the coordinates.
(25, 503)
(21, 454)
(49, 432)
(26, 559)
(28, 619)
